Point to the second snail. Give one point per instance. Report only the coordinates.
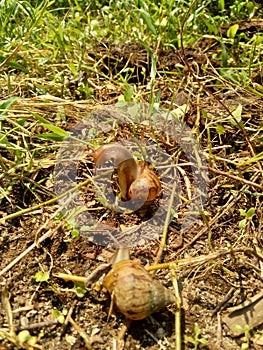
(134, 292)
(137, 183)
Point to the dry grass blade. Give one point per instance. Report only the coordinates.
(8, 311)
(81, 332)
(166, 225)
(178, 325)
(252, 184)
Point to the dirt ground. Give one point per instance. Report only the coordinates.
(219, 263)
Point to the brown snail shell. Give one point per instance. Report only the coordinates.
(136, 181)
(147, 186)
(134, 291)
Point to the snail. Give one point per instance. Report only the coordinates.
(133, 290)
(136, 181)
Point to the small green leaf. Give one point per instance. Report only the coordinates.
(21, 121)
(55, 313)
(258, 157)
(247, 192)
(51, 136)
(41, 276)
(55, 129)
(61, 319)
(220, 130)
(23, 336)
(211, 26)
(80, 290)
(174, 214)
(238, 328)
(237, 114)
(17, 65)
(191, 340)
(91, 133)
(64, 312)
(242, 224)
(128, 94)
(75, 233)
(73, 68)
(40, 118)
(251, 9)
(231, 32)
(197, 330)
(148, 21)
(224, 54)
(250, 212)
(242, 212)
(245, 346)
(59, 315)
(221, 4)
(4, 107)
(4, 141)
(32, 341)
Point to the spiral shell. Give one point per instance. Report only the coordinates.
(134, 291)
(136, 181)
(146, 186)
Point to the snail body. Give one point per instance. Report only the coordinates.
(136, 181)
(134, 291)
(127, 167)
